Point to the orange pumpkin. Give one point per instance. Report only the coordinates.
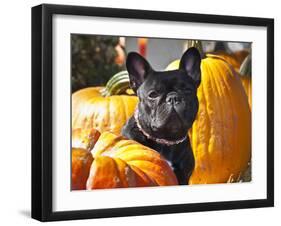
(84, 138)
(235, 59)
(119, 162)
(97, 108)
(80, 167)
(82, 142)
(231, 59)
(221, 134)
(82, 95)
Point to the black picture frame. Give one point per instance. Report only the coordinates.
(42, 111)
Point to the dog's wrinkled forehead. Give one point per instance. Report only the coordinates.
(168, 81)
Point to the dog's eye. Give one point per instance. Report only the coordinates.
(153, 94)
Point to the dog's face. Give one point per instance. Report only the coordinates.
(168, 102)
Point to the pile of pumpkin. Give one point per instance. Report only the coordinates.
(220, 136)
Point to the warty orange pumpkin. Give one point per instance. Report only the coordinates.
(80, 166)
(221, 134)
(98, 108)
(235, 59)
(240, 60)
(84, 138)
(119, 162)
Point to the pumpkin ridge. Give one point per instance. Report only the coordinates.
(215, 115)
(224, 74)
(229, 110)
(130, 154)
(107, 167)
(134, 145)
(97, 150)
(127, 181)
(150, 176)
(226, 104)
(223, 105)
(208, 91)
(151, 180)
(238, 109)
(235, 131)
(202, 147)
(124, 107)
(125, 144)
(120, 105)
(91, 120)
(225, 57)
(246, 111)
(158, 163)
(109, 111)
(118, 173)
(162, 175)
(241, 111)
(218, 123)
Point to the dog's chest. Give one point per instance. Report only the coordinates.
(167, 152)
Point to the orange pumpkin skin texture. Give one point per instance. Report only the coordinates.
(221, 134)
(235, 59)
(84, 138)
(227, 57)
(81, 96)
(91, 110)
(119, 162)
(81, 163)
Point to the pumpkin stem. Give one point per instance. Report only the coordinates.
(246, 67)
(118, 84)
(197, 44)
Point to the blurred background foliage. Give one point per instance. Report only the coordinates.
(93, 60)
(96, 58)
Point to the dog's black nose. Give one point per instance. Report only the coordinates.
(173, 98)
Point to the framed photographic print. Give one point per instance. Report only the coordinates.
(146, 112)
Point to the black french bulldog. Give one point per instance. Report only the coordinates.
(167, 107)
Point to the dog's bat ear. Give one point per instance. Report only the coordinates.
(138, 69)
(190, 62)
